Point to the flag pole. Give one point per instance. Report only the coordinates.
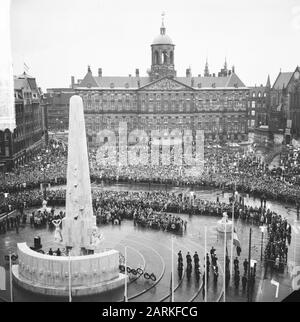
(206, 269)
(10, 279)
(125, 290)
(172, 276)
(249, 266)
(224, 282)
(70, 279)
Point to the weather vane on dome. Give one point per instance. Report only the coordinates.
(163, 16)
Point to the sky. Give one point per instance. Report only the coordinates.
(60, 38)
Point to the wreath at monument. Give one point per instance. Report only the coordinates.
(139, 271)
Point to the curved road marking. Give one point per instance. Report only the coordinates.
(157, 281)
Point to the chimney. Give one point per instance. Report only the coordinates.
(99, 72)
(229, 72)
(137, 72)
(188, 72)
(72, 81)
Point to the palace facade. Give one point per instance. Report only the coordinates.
(164, 101)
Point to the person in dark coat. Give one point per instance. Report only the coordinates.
(180, 257)
(236, 263)
(188, 259)
(196, 259)
(245, 266)
(244, 282)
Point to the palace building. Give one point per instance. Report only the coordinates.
(162, 100)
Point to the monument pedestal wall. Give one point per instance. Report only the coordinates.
(48, 274)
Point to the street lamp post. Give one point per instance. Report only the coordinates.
(249, 266)
(262, 228)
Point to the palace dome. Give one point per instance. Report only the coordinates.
(162, 39)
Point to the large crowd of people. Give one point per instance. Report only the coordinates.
(276, 251)
(47, 165)
(225, 169)
(160, 210)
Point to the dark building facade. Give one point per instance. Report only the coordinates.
(258, 106)
(58, 108)
(164, 101)
(16, 147)
(285, 105)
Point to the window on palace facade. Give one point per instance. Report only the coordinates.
(89, 104)
(171, 57)
(253, 104)
(253, 94)
(253, 112)
(156, 57)
(265, 94)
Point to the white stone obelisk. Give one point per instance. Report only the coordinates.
(79, 223)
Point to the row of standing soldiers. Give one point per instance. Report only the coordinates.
(212, 261)
(197, 269)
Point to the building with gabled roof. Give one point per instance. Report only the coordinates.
(215, 103)
(285, 105)
(16, 146)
